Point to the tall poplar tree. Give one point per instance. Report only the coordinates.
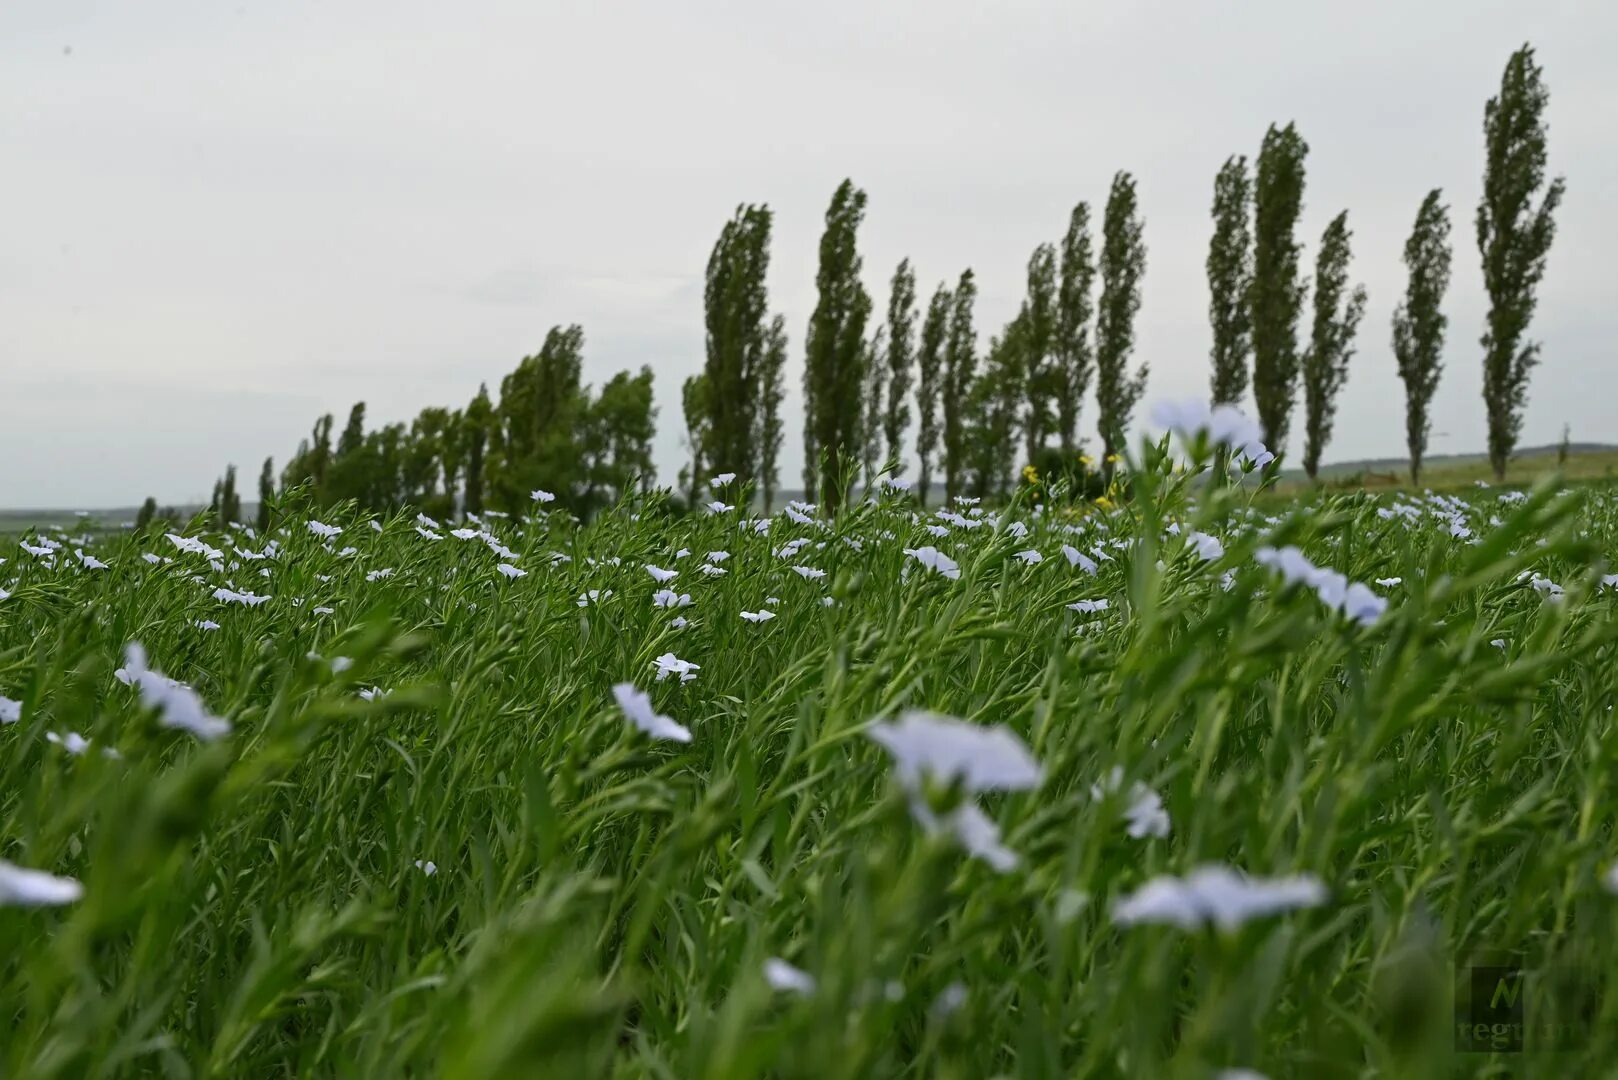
(811, 448)
(320, 454)
(960, 379)
(1040, 372)
(836, 347)
(736, 303)
(698, 417)
(1276, 293)
(1514, 238)
(1123, 264)
(266, 494)
(901, 357)
(996, 408)
(1338, 311)
(227, 504)
(930, 361)
(875, 365)
(479, 419)
(1075, 359)
(772, 392)
(1419, 322)
(1230, 274)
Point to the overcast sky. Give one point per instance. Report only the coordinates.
(218, 220)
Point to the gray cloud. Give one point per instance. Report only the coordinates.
(223, 219)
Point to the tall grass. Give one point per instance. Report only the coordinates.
(605, 903)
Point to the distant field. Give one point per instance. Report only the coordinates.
(1585, 461)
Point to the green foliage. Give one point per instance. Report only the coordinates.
(618, 439)
(1276, 293)
(873, 363)
(1230, 277)
(1419, 321)
(1075, 358)
(547, 432)
(307, 467)
(995, 401)
(932, 377)
(226, 505)
(1062, 478)
(1040, 366)
(1338, 311)
(478, 424)
(602, 904)
(901, 357)
(736, 306)
(694, 394)
(834, 369)
(266, 494)
(1514, 238)
(1123, 264)
(960, 378)
(542, 409)
(772, 392)
(146, 515)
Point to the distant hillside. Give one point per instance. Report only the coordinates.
(1437, 462)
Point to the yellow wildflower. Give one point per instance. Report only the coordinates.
(1113, 459)
(1104, 502)
(1084, 459)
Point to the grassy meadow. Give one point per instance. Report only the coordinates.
(1206, 782)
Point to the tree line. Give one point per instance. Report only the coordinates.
(1257, 294)
(865, 379)
(546, 431)
(868, 379)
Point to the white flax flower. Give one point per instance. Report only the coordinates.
(637, 709)
(1217, 895)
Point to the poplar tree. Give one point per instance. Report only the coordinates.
(266, 494)
(811, 449)
(353, 436)
(232, 501)
(836, 347)
(1036, 366)
(1338, 311)
(960, 379)
(996, 402)
(736, 303)
(1123, 264)
(479, 419)
(874, 365)
(901, 357)
(698, 416)
(1276, 293)
(1230, 273)
(1514, 238)
(930, 359)
(1419, 321)
(226, 506)
(538, 425)
(772, 391)
(309, 465)
(1075, 359)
